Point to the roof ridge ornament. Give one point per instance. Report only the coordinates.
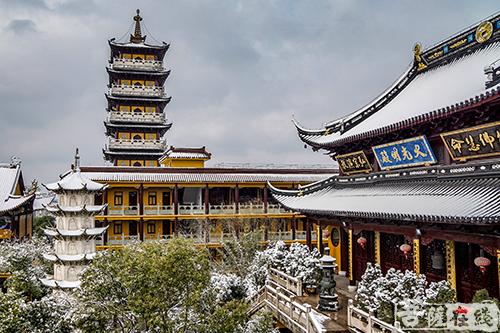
(77, 161)
(417, 55)
(137, 37)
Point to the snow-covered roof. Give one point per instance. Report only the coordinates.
(69, 257)
(89, 209)
(61, 283)
(216, 177)
(9, 178)
(458, 77)
(186, 153)
(75, 181)
(74, 233)
(434, 194)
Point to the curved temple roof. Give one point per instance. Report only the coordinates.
(433, 194)
(455, 78)
(75, 181)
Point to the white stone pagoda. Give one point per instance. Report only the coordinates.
(75, 232)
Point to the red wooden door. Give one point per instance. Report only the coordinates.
(362, 255)
(390, 254)
(469, 277)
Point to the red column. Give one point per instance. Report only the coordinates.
(237, 198)
(308, 234)
(206, 199)
(176, 200)
(141, 211)
(265, 199)
(320, 237)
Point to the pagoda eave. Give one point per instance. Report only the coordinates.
(158, 50)
(112, 128)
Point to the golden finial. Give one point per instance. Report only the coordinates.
(137, 36)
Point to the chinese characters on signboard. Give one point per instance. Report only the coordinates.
(410, 152)
(354, 163)
(473, 142)
(454, 317)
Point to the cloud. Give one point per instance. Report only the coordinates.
(240, 69)
(21, 27)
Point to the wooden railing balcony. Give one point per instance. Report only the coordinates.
(137, 64)
(123, 210)
(137, 144)
(280, 235)
(137, 117)
(158, 210)
(141, 91)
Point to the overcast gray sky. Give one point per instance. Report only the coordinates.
(240, 69)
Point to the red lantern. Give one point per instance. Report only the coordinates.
(362, 242)
(482, 263)
(406, 248)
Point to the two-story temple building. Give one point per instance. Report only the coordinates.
(419, 186)
(209, 205)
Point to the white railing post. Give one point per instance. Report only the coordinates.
(370, 320)
(308, 314)
(349, 312)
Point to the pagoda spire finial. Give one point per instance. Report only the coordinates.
(137, 37)
(77, 160)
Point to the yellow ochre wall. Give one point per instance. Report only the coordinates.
(183, 163)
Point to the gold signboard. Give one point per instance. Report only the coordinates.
(473, 142)
(355, 162)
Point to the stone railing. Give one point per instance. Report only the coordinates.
(297, 317)
(137, 144)
(275, 209)
(222, 209)
(137, 117)
(280, 235)
(362, 321)
(290, 283)
(141, 91)
(158, 210)
(191, 209)
(123, 210)
(251, 208)
(137, 64)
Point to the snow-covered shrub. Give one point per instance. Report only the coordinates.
(24, 261)
(382, 294)
(227, 287)
(297, 261)
(302, 263)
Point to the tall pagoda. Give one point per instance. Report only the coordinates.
(136, 121)
(75, 230)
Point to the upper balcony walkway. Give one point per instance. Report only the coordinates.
(137, 65)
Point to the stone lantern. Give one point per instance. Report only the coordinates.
(328, 298)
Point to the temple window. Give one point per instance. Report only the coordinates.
(151, 109)
(151, 136)
(150, 83)
(137, 110)
(124, 108)
(150, 163)
(126, 56)
(150, 57)
(137, 164)
(124, 82)
(152, 198)
(139, 56)
(117, 228)
(118, 198)
(137, 137)
(138, 83)
(151, 228)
